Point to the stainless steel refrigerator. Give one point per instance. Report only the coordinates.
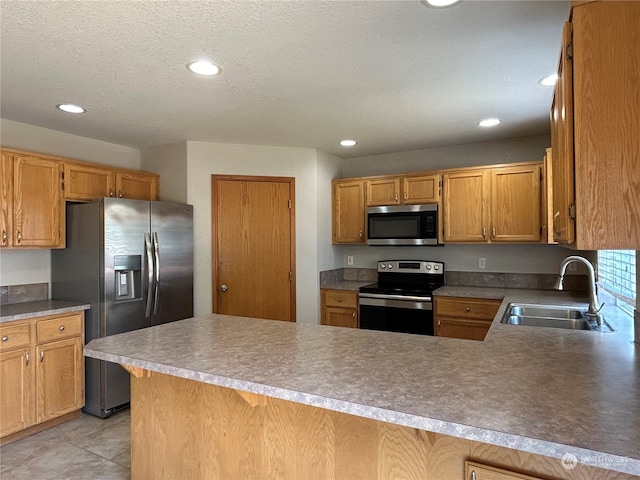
(132, 261)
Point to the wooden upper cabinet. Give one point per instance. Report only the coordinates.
(137, 185)
(466, 215)
(383, 191)
(410, 190)
(499, 204)
(38, 206)
(85, 182)
(348, 211)
(599, 94)
(6, 199)
(515, 204)
(563, 205)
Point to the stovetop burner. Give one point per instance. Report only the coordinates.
(407, 277)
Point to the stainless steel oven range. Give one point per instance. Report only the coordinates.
(401, 300)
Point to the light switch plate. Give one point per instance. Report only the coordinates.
(482, 262)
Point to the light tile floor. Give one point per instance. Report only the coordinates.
(86, 448)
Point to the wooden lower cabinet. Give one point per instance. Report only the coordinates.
(467, 318)
(339, 308)
(42, 371)
(478, 471)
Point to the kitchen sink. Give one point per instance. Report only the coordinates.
(552, 316)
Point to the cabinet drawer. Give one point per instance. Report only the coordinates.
(59, 327)
(15, 336)
(341, 298)
(477, 308)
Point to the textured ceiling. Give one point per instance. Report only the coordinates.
(393, 75)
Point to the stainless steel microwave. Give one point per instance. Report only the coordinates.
(403, 225)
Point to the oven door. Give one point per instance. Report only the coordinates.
(396, 313)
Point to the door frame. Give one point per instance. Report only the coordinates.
(292, 230)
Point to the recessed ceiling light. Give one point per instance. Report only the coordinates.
(70, 108)
(439, 3)
(548, 81)
(489, 122)
(348, 143)
(204, 68)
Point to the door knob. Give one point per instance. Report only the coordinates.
(224, 287)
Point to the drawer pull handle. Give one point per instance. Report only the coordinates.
(61, 328)
(41, 356)
(5, 338)
(26, 356)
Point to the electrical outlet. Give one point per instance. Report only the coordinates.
(482, 262)
(350, 260)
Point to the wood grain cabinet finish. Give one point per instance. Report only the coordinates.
(596, 141)
(42, 371)
(32, 211)
(494, 205)
(348, 211)
(478, 471)
(339, 308)
(137, 185)
(467, 318)
(407, 190)
(83, 182)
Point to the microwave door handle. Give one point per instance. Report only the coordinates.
(149, 257)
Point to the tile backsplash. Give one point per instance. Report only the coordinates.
(537, 281)
(29, 292)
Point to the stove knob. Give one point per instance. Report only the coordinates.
(383, 266)
(428, 267)
(390, 266)
(436, 267)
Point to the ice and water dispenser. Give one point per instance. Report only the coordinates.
(128, 271)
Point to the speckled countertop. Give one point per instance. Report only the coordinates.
(39, 308)
(541, 390)
(351, 285)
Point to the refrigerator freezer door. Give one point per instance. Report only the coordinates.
(172, 234)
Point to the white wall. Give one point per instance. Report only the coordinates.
(51, 142)
(206, 159)
(170, 162)
(526, 149)
(34, 266)
(328, 167)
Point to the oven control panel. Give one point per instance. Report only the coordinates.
(411, 266)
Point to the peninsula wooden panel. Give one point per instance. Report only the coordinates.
(205, 431)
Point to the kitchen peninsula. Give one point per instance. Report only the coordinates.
(228, 397)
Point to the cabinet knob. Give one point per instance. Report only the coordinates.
(19, 236)
(5, 338)
(493, 232)
(61, 328)
(395, 196)
(41, 356)
(405, 196)
(473, 475)
(120, 193)
(484, 232)
(353, 315)
(111, 192)
(360, 233)
(26, 356)
(468, 309)
(4, 237)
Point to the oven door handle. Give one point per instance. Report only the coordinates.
(385, 296)
(388, 303)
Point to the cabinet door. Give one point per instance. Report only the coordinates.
(562, 145)
(137, 185)
(38, 204)
(462, 328)
(60, 375)
(478, 471)
(383, 191)
(85, 182)
(424, 189)
(348, 212)
(17, 387)
(6, 199)
(340, 317)
(515, 204)
(465, 209)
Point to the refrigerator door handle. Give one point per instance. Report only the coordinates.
(156, 256)
(149, 255)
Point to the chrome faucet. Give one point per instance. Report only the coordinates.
(593, 300)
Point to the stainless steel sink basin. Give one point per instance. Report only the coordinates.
(552, 316)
